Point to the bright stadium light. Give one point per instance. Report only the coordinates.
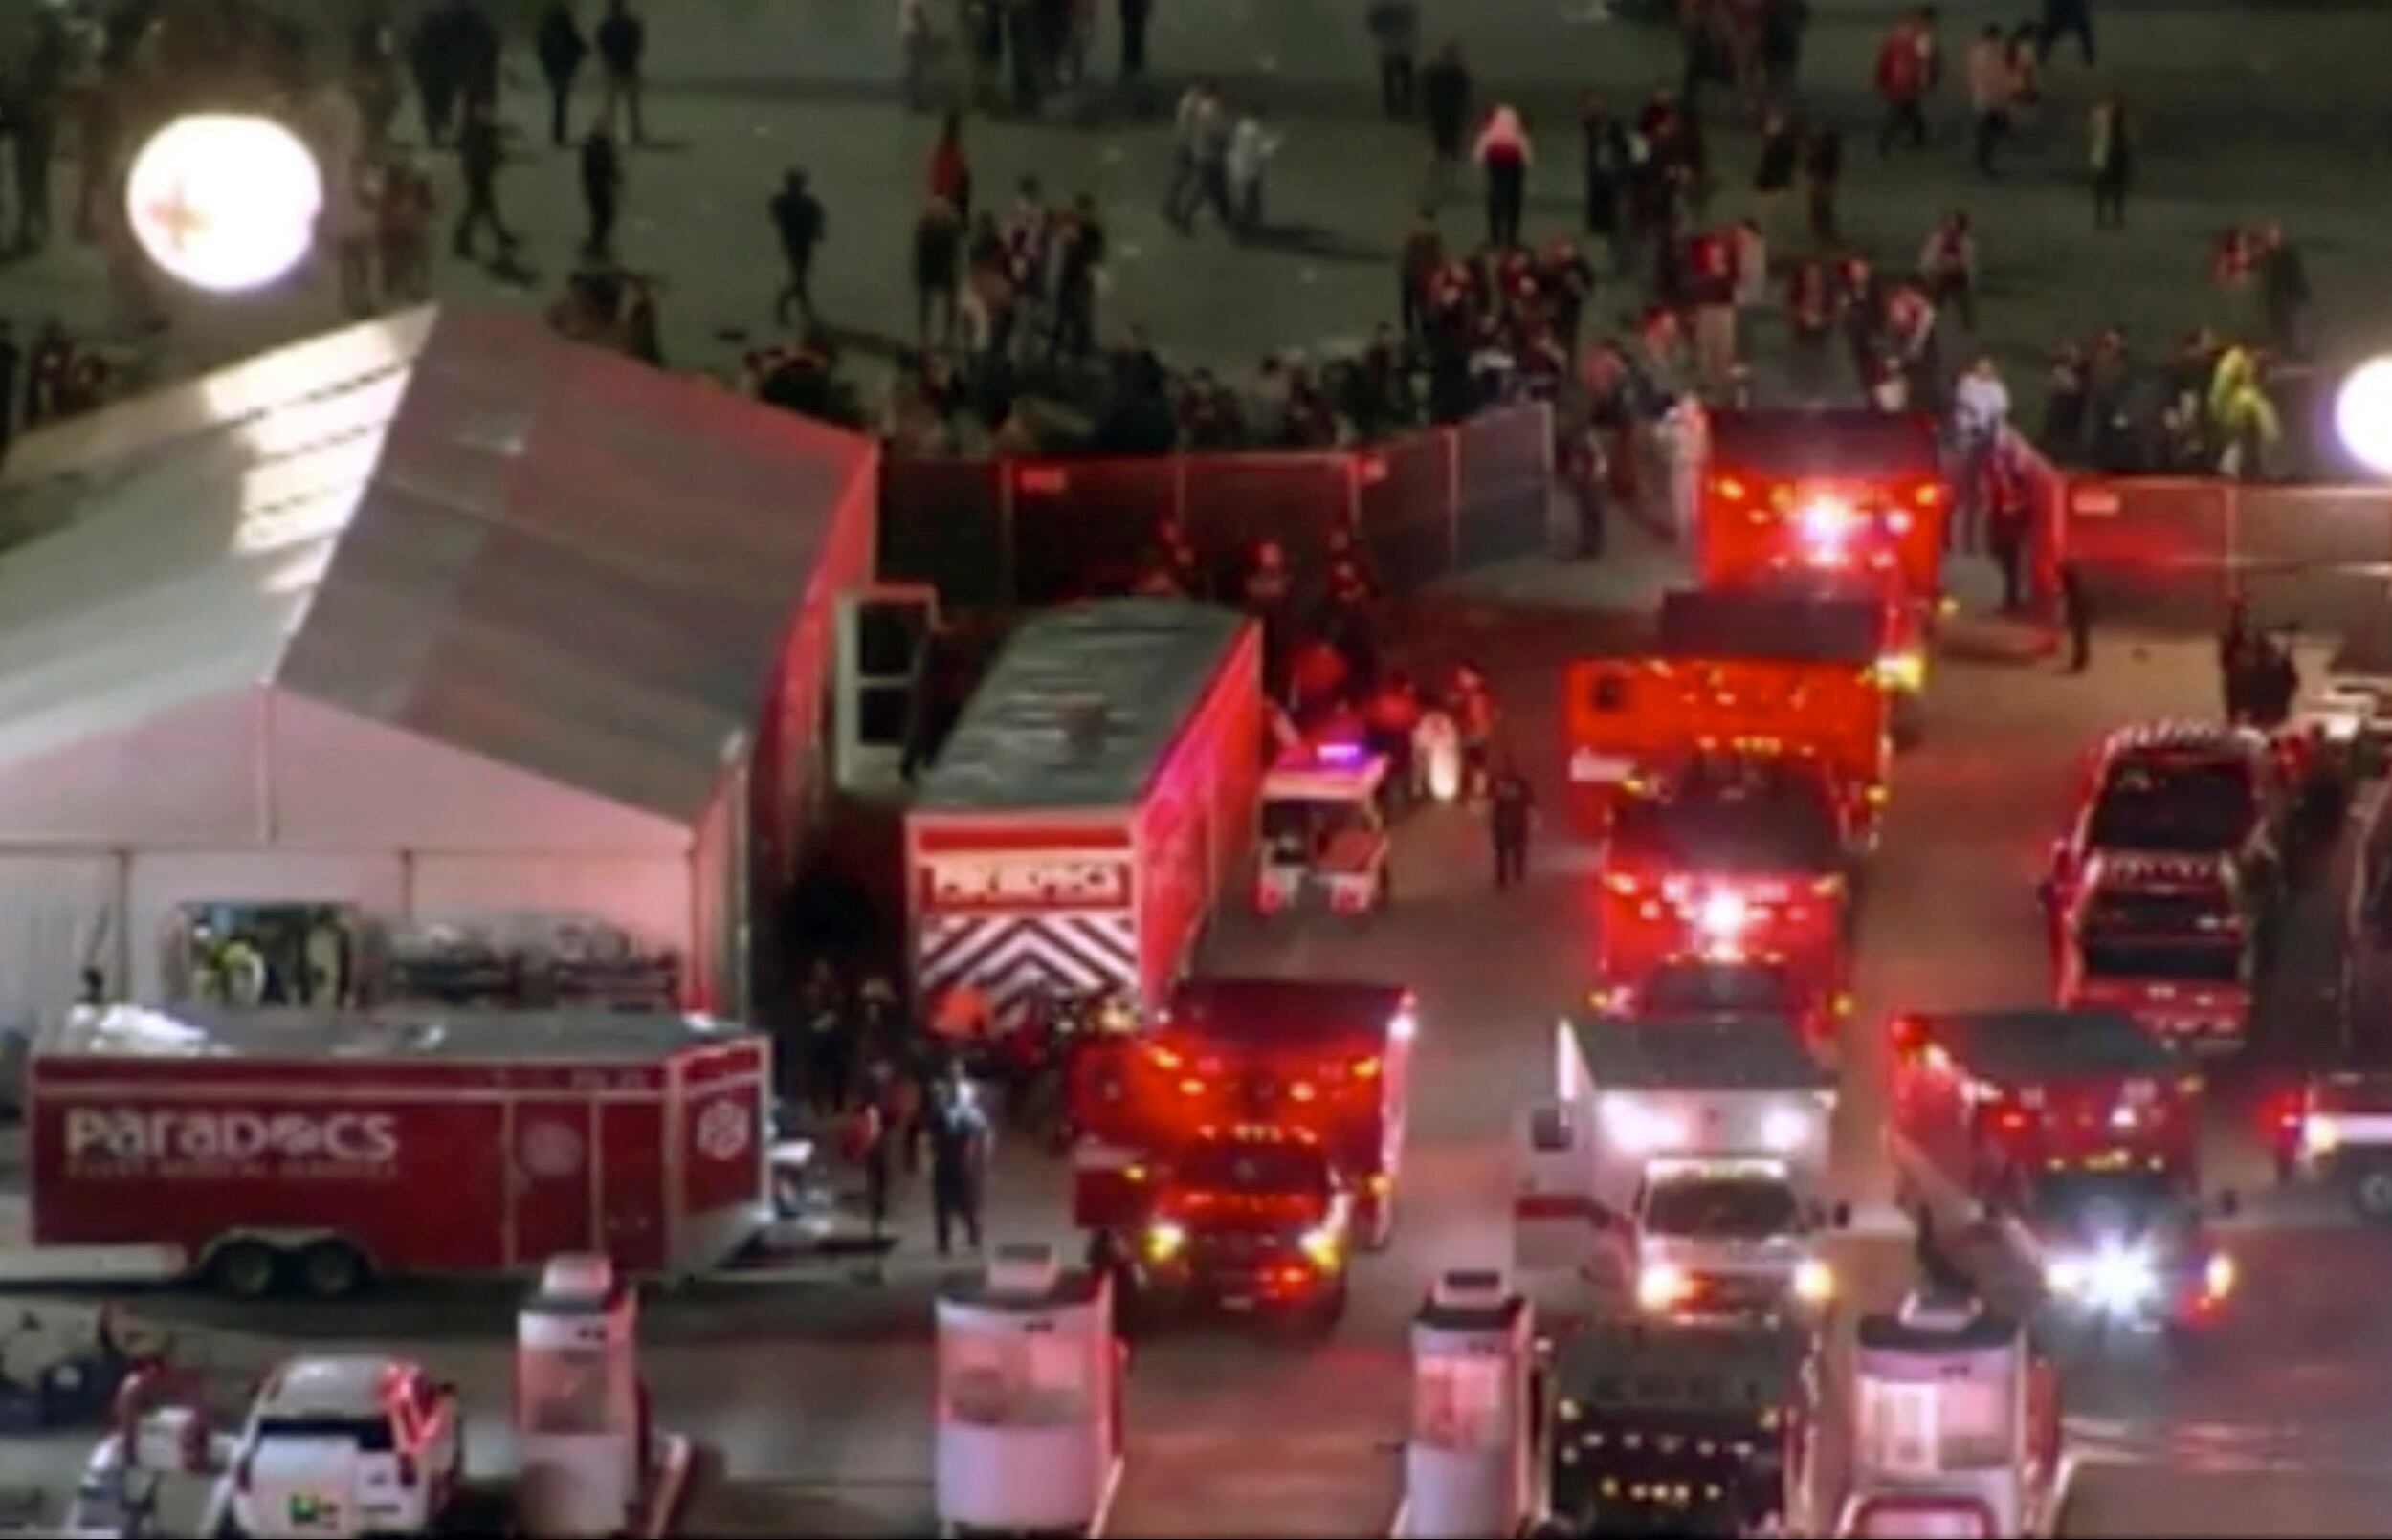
(2363, 414)
(225, 203)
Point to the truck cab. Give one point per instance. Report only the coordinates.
(1957, 1425)
(1323, 831)
(1681, 1166)
(2128, 1246)
(1817, 617)
(2341, 1134)
(1737, 866)
(1249, 1218)
(2170, 940)
(2179, 789)
(1792, 492)
(1984, 1104)
(1664, 1429)
(1694, 985)
(1331, 1058)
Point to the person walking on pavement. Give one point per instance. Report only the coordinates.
(1905, 75)
(2009, 525)
(1445, 102)
(1395, 27)
(1417, 262)
(431, 59)
(1773, 174)
(561, 48)
(602, 194)
(478, 157)
(1511, 809)
(1981, 417)
(938, 260)
(1135, 15)
(32, 117)
(2113, 162)
(797, 220)
(1215, 131)
(1991, 84)
(2066, 19)
(918, 48)
(949, 174)
(1504, 157)
(959, 1158)
(1947, 266)
(622, 47)
(2076, 615)
(1822, 172)
(475, 38)
(1252, 145)
(1197, 103)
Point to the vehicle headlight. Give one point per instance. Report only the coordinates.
(2219, 1276)
(2341, 729)
(1165, 1240)
(1784, 1130)
(1662, 1286)
(1814, 1282)
(2120, 1277)
(2321, 1135)
(1322, 1245)
(1902, 670)
(2067, 1275)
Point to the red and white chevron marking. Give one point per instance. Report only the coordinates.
(1010, 957)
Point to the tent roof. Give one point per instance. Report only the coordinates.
(1081, 706)
(456, 524)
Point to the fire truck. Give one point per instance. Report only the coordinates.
(1685, 1160)
(1319, 1069)
(2167, 939)
(2178, 788)
(1955, 1426)
(1669, 1428)
(1827, 618)
(1742, 870)
(1634, 726)
(1857, 492)
(1986, 1105)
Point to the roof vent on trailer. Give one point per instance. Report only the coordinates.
(1084, 720)
(1936, 1310)
(1468, 1288)
(1024, 1270)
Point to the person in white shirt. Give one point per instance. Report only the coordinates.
(1981, 412)
(1250, 149)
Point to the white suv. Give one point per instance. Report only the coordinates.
(345, 1445)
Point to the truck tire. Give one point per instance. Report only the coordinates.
(245, 1269)
(2371, 1192)
(332, 1270)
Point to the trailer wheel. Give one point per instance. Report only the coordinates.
(332, 1270)
(246, 1269)
(2371, 1193)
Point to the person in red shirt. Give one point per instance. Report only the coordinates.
(1906, 63)
(950, 173)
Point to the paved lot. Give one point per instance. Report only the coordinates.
(2248, 110)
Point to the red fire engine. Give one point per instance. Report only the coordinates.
(2177, 788)
(1634, 725)
(1318, 1067)
(1983, 1099)
(1823, 618)
(1746, 869)
(1843, 492)
(2168, 941)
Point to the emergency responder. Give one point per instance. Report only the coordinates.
(2009, 515)
(2234, 651)
(2076, 614)
(958, 1156)
(870, 1144)
(1390, 715)
(823, 1014)
(1511, 808)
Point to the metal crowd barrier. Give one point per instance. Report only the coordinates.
(1034, 532)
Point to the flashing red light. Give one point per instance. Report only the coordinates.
(1302, 1090)
(1164, 1057)
(1728, 489)
(2012, 1120)
(1191, 1086)
(1927, 494)
(1366, 1068)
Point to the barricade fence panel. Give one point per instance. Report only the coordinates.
(1506, 485)
(2151, 550)
(1083, 527)
(1235, 501)
(1043, 531)
(942, 523)
(2315, 557)
(1403, 497)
